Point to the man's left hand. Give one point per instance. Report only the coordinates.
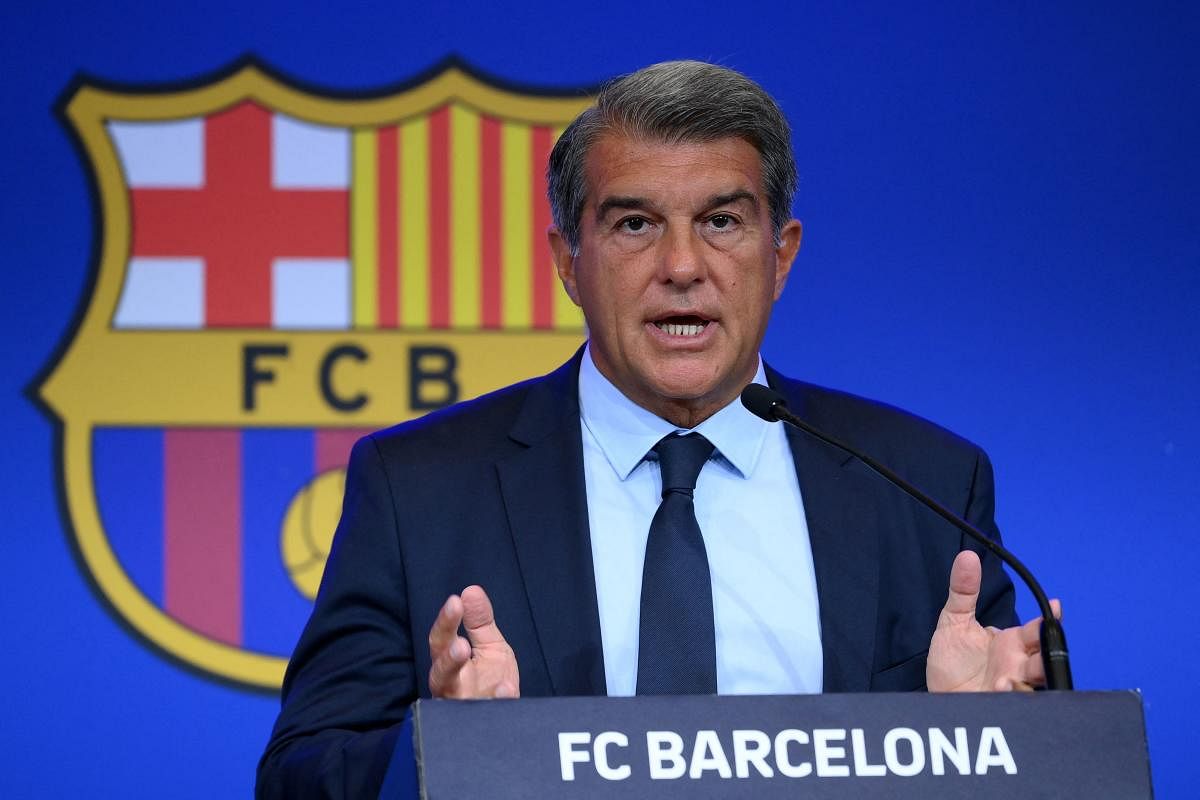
(964, 656)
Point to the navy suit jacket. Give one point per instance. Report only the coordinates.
(492, 492)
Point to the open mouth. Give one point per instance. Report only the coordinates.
(682, 326)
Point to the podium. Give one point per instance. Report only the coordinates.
(978, 746)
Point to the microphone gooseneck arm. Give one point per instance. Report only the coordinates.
(767, 404)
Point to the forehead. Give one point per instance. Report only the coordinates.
(626, 166)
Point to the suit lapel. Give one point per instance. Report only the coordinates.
(545, 499)
(843, 527)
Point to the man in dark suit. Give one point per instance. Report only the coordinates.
(672, 231)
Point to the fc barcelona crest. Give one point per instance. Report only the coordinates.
(279, 271)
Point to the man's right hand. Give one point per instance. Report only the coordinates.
(484, 666)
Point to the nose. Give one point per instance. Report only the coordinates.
(682, 259)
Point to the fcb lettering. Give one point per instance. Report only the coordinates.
(428, 366)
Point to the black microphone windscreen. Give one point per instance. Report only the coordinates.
(761, 401)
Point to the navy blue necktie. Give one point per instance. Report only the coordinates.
(677, 648)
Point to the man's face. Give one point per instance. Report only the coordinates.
(677, 270)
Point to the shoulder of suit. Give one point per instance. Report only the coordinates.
(466, 425)
(488, 426)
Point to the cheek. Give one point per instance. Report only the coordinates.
(617, 288)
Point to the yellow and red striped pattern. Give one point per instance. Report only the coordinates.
(448, 221)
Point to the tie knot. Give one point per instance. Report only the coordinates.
(680, 459)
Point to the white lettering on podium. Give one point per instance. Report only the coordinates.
(782, 756)
(568, 756)
(665, 746)
(993, 752)
(958, 753)
(751, 747)
(862, 766)
(821, 752)
(707, 754)
(891, 754)
(824, 752)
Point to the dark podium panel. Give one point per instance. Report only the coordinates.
(978, 746)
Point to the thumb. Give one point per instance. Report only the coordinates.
(965, 577)
(478, 617)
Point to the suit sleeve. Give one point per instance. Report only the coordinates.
(351, 679)
(997, 601)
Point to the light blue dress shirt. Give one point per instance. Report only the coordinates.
(751, 514)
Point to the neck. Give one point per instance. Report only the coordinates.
(687, 415)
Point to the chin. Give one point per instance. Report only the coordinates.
(690, 377)
(684, 389)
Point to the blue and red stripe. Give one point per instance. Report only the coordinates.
(195, 517)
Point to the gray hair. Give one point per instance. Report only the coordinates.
(675, 102)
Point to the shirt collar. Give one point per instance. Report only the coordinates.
(625, 431)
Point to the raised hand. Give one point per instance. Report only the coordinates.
(964, 656)
(479, 666)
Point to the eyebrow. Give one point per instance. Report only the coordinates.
(627, 203)
(635, 203)
(731, 198)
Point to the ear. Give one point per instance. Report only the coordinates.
(564, 262)
(785, 253)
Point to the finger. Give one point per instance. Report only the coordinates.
(478, 617)
(965, 576)
(445, 628)
(1033, 671)
(1031, 635)
(446, 669)
(1031, 632)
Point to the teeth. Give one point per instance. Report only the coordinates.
(673, 329)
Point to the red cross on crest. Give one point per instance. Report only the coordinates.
(238, 222)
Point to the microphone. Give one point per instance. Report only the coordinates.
(770, 405)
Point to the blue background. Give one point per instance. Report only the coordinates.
(1002, 233)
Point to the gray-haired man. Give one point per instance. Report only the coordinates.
(772, 565)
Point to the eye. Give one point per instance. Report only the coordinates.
(722, 222)
(633, 225)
